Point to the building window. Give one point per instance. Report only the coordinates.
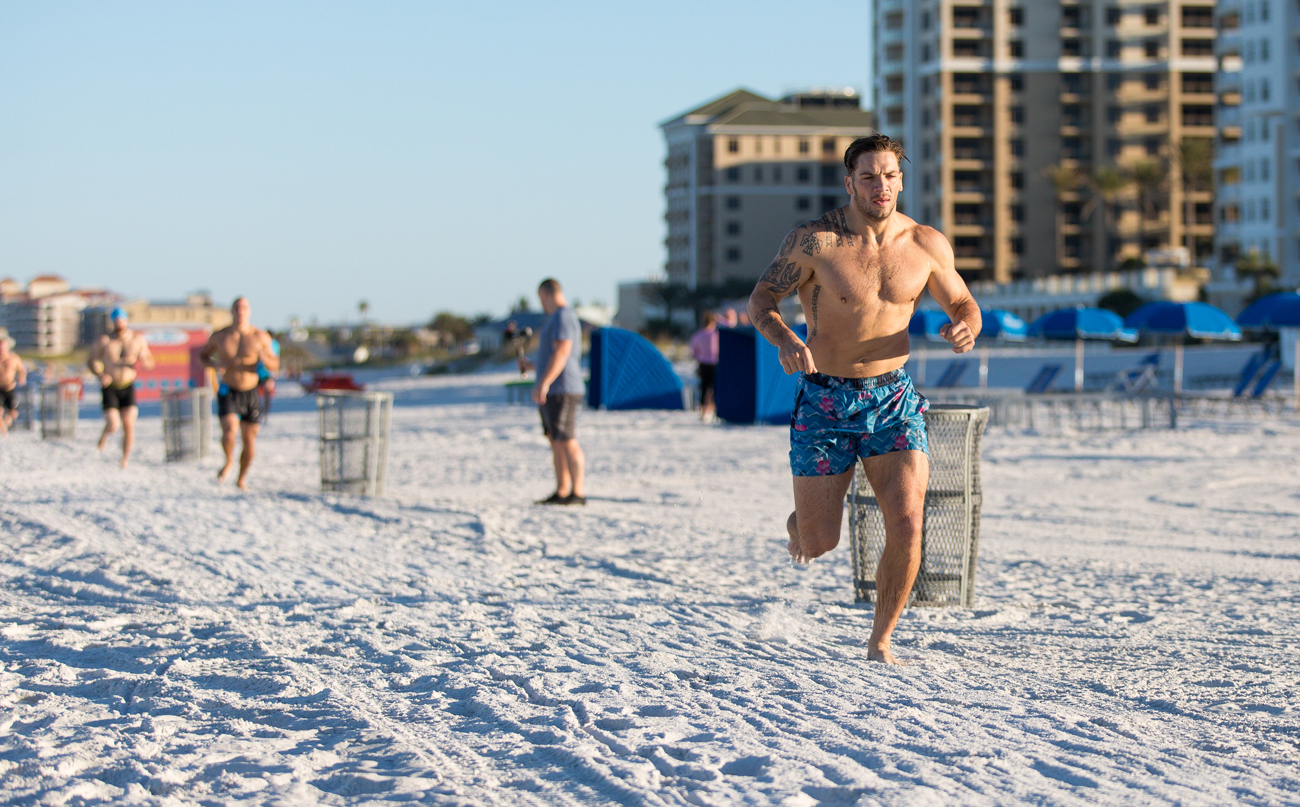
(1017, 147)
(1017, 212)
(1114, 147)
(1017, 83)
(1152, 16)
(1151, 81)
(831, 174)
(1017, 180)
(1016, 48)
(733, 228)
(828, 145)
(758, 174)
(1113, 15)
(966, 48)
(1263, 50)
(1198, 82)
(1263, 170)
(1071, 17)
(733, 202)
(893, 84)
(1198, 47)
(925, 85)
(733, 254)
(830, 203)
(802, 203)
(1114, 49)
(894, 116)
(1071, 47)
(803, 145)
(1017, 246)
(733, 145)
(1263, 89)
(776, 175)
(1017, 114)
(1198, 115)
(1152, 49)
(925, 53)
(1264, 212)
(733, 174)
(1263, 10)
(802, 174)
(894, 21)
(894, 53)
(1152, 145)
(1016, 16)
(1114, 114)
(1198, 16)
(1114, 81)
(1152, 113)
(925, 21)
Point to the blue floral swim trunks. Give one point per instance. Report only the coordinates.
(837, 420)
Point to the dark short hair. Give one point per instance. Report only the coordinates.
(874, 144)
(550, 285)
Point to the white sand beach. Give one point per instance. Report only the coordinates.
(165, 641)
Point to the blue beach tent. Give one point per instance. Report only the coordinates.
(1003, 325)
(627, 372)
(751, 386)
(1081, 323)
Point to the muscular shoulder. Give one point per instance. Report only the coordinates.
(934, 243)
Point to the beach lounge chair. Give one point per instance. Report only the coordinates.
(1044, 379)
(1140, 376)
(952, 375)
(1258, 372)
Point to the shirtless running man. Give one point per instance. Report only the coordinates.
(13, 374)
(235, 351)
(860, 270)
(113, 359)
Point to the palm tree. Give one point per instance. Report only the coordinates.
(1064, 180)
(1108, 183)
(1260, 269)
(362, 308)
(1194, 157)
(1149, 178)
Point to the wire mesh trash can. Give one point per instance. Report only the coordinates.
(354, 441)
(25, 420)
(187, 424)
(59, 404)
(951, 526)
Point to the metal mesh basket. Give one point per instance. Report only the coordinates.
(26, 419)
(950, 533)
(187, 424)
(354, 441)
(59, 404)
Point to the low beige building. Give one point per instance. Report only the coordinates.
(743, 170)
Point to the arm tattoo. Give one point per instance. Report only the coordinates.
(787, 246)
(781, 275)
(817, 290)
(811, 244)
(763, 322)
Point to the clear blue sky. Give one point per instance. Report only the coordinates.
(421, 156)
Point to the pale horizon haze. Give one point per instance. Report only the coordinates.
(420, 156)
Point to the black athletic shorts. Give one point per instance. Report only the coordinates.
(9, 399)
(707, 373)
(559, 415)
(245, 403)
(119, 397)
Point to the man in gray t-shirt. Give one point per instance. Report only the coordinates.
(558, 391)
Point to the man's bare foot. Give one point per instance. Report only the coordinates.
(123, 466)
(795, 547)
(882, 655)
(102, 442)
(224, 473)
(242, 483)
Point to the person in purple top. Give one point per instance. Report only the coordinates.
(704, 347)
(558, 391)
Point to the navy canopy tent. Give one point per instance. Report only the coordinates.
(751, 386)
(627, 372)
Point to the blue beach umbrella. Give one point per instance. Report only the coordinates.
(1003, 325)
(1080, 324)
(1197, 320)
(1280, 310)
(926, 323)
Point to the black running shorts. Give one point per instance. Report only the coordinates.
(245, 403)
(119, 397)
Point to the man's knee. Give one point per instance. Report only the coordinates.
(904, 527)
(817, 536)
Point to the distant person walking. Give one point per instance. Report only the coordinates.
(704, 347)
(859, 271)
(112, 359)
(235, 352)
(13, 374)
(558, 391)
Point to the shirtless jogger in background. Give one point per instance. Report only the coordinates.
(235, 351)
(113, 359)
(860, 270)
(13, 374)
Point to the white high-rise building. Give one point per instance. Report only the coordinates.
(1257, 160)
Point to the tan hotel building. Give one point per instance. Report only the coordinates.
(987, 95)
(743, 170)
